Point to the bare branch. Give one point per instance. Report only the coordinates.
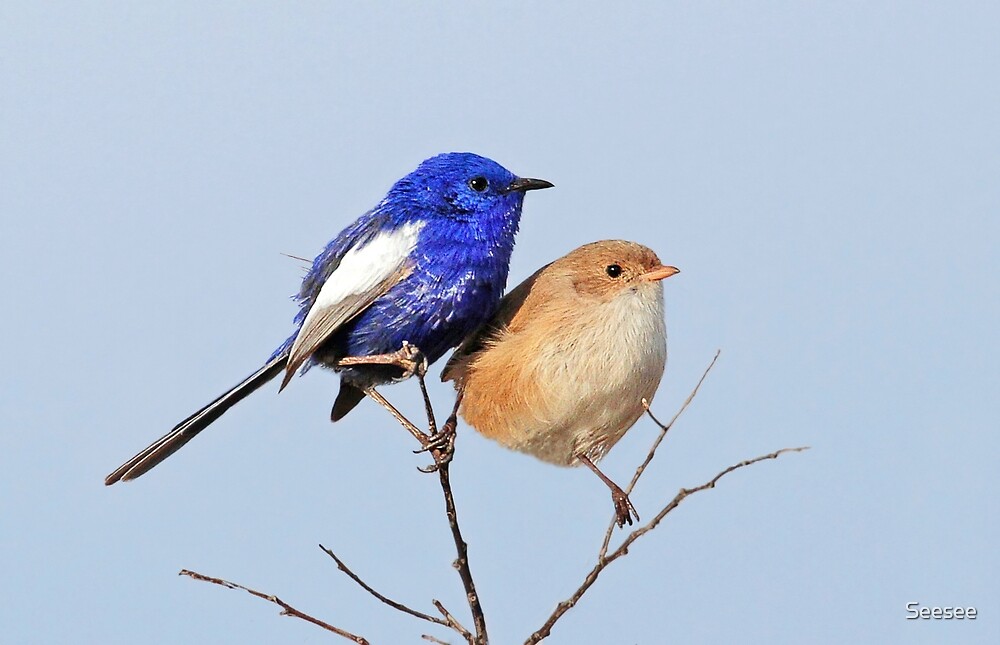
(461, 563)
(603, 562)
(286, 609)
(687, 492)
(441, 447)
(656, 444)
(428, 407)
(457, 626)
(392, 603)
(666, 428)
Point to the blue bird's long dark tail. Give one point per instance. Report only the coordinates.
(186, 430)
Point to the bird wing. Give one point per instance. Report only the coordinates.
(502, 320)
(364, 273)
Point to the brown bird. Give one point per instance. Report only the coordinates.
(561, 370)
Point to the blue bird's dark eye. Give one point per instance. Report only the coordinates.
(479, 184)
(613, 270)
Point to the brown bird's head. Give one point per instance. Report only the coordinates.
(604, 269)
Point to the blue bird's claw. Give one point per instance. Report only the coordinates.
(412, 360)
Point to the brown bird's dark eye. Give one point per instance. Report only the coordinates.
(613, 270)
(479, 184)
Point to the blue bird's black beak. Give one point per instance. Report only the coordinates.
(524, 184)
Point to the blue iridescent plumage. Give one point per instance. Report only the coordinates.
(427, 265)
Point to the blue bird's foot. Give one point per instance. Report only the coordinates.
(412, 360)
(408, 358)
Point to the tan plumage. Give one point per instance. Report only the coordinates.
(561, 370)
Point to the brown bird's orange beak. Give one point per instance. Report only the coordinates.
(659, 273)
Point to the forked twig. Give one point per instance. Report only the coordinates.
(457, 626)
(461, 563)
(286, 609)
(603, 559)
(602, 563)
(392, 603)
(441, 447)
(656, 444)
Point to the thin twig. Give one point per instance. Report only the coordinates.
(461, 563)
(441, 447)
(602, 563)
(666, 428)
(392, 603)
(453, 622)
(687, 492)
(286, 609)
(656, 444)
(428, 407)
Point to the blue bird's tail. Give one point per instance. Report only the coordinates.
(348, 397)
(186, 430)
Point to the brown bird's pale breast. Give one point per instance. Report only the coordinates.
(570, 357)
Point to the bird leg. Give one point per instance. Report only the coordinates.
(408, 358)
(624, 510)
(417, 433)
(442, 444)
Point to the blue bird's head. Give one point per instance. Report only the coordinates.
(466, 187)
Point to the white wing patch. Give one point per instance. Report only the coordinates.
(362, 268)
(364, 274)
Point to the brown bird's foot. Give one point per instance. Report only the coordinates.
(442, 448)
(443, 441)
(442, 445)
(624, 510)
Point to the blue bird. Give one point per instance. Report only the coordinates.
(427, 265)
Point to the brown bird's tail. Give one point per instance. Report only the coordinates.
(186, 430)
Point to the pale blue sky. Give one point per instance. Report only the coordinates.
(825, 175)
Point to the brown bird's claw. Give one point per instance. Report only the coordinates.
(442, 457)
(443, 441)
(441, 446)
(624, 510)
(431, 468)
